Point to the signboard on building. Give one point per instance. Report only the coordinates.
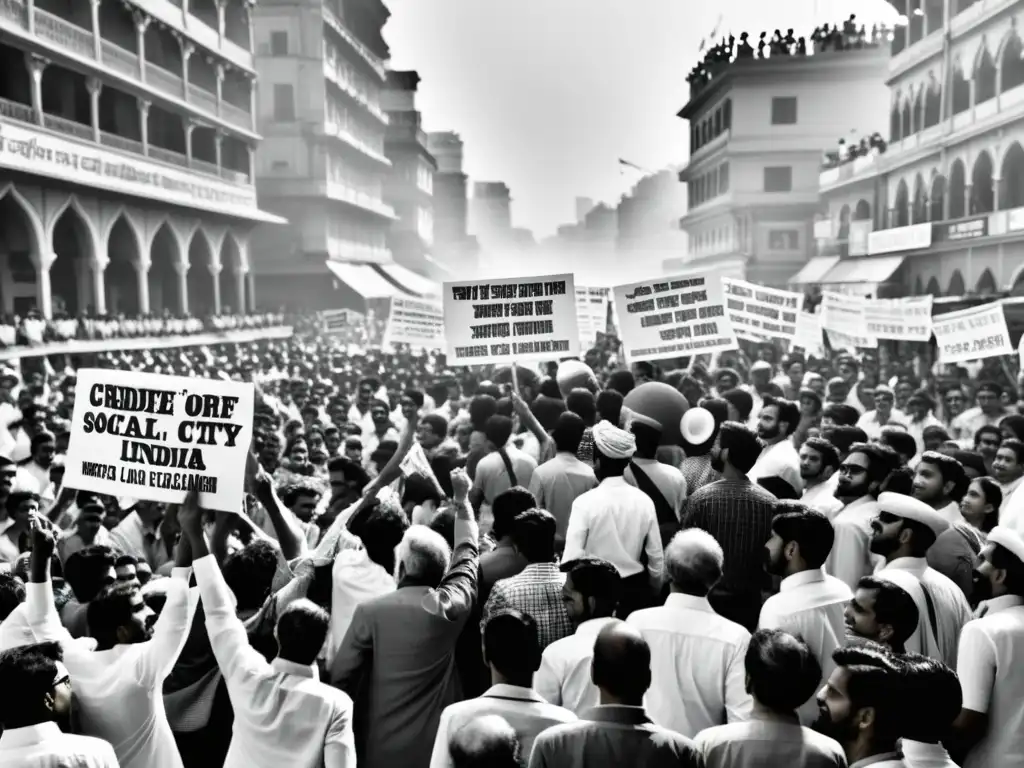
(900, 239)
(966, 229)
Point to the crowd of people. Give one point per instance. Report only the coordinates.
(810, 564)
(875, 144)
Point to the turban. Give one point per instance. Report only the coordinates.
(613, 442)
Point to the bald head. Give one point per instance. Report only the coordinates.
(622, 664)
(485, 742)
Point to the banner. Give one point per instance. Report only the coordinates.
(525, 318)
(907, 319)
(845, 320)
(154, 437)
(591, 314)
(759, 313)
(673, 317)
(341, 320)
(971, 334)
(808, 334)
(415, 322)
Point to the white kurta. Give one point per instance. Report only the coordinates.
(851, 558)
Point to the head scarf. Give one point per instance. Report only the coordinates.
(613, 442)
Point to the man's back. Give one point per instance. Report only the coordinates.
(557, 483)
(45, 746)
(763, 742)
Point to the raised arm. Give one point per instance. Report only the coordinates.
(454, 598)
(40, 611)
(286, 527)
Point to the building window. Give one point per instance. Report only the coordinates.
(723, 178)
(278, 43)
(284, 102)
(778, 179)
(784, 110)
(783, 240)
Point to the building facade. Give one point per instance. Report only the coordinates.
(128, 133)
(950, 184)
(648, 228)
(757, 132)
(455, 252)
(490, 214)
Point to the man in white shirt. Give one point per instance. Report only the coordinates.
(284, 715)
(618, 522)
(1008, 468)
(778, 421)
(558, 482)
(37, 690)
(990, 728)
(664, 483)
(512, 653)
(819, 461)
(902, 533)
(698, 676)
(139, 534)
(809, 603)
(940, 481)
(884, 413)
(920, 414)
(590, 595)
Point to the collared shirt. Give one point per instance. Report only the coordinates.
(133, 538)
(779, 460)
(991, 675)
(120, 691)
(668, 479)
(284, 715)
(810, 604)
(872, 423)
(916, 429)
(564, 674)
(618, 523)
(739, 515)
(822, 497)
(558, 483)
(963, 427)
(884, 760)
(537, 591)
(610, 735)
(697, 665)
(522, 708)
(492, 478)
(45, 746)
(850, 559)
(1008, 490)
(768, 742)
(355, 579)
(917, 754)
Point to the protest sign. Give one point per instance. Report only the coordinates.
(591, 313)
(759, 313)
(156, 437)
(511, 319)
(971, 334)
(908, 319)
(808, 334)
(340, 320)
(673, 317)
(415, 322)
(845, 320)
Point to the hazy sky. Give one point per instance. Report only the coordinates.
(549, 94)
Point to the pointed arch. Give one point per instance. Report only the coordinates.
(986, 283)
(232, 287)
(919, 210)
(35, 224)
(165, 259)
(956, 284)
(896, 120)
(73, 203)
(957, 190)
(121, 278)
(982, 198)
(918, 286)
(863, 211)
(201, 274)
(984, 74)
(932, 101)
(933, 288)
(73, 242)
(1011, 178)
(938, 197)
(900, 205)
(907, 120)
(1011, 67)
(917, 118)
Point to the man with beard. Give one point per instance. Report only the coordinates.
(990, 729)
(809, 603)
(882, 612)
(902, 533)
(860, 706)
(860, 481)
(940, 481)
(986, 442)
(778, 421)
(819, 461)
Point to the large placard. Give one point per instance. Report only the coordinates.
(845, 319)
(415, 322)
(591, 313)
(759, 313)
(908, 319)
(154, 437)
(341, 320)
(971, 334)
(524, 318)
(673, 317)
(809, 335)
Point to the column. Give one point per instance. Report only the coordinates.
(220, 21)
(250, 20)
(968, 199)
(97, 41)
(190, 126)
(95, 87)
(6, 279)
(32, 17)
(995, 191)
(187, 49)
(141, 25)
(215, 276)
(36, 65)
(83, 274)
(42, 262)
(252, 162)
(218, 146)
(254, 101)
(144, 124)
(142, 275)
(240, 290)
(220, 87)
(250, 296)
(99, 288)
(181, 270)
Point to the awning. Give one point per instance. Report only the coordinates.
(364, 280)
(811, 272)
(868, 269)
(407, 280)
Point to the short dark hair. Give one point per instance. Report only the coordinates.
(438, 424)
(582, 402)
(609, 405)
(295, 490)
(498, 430)
(1016, 446)
(301, 631)
(250, 572)
(86, 571)
(533, 533)
(789, 412)
(512, 644)
(1005, 560)
(933, 698)
(782, 670)
(810, 529)
(595, 578)
(12, 594)
(648, 439)
(893, 606)
(31, 670)
(874, 680)
(508, 505)
(381, 532)
(353, 472)
(16, 498)
(841, 414)
(952, 471)
(828, 452)
(844, 437)
(743, 445)
(900, 480)
(568, 432)
(123, 560)
(481, 408)
(881, 460)
(990, 429)
(110, 610)
(741, 400)
(900, 441)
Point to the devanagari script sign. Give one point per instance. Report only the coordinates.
(156, 437)
(908, 319)
(525, 318)
(971, 334)
(759, 313)
(416, 323)
(673, 317)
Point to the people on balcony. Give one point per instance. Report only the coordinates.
(875, 144)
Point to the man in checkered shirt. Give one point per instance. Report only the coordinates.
(537, 590)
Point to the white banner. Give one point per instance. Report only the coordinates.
(845, 320)
(525, 318)
(808, 334)
(759, 313)
(154, 437)
(591, 313)
(908, 319)
(415, 322)
(673, 317)
(341, 320)
(972, 334)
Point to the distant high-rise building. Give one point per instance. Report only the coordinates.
(584, 205)
(490, 214)
(453, 249)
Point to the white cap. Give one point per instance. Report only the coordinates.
(1009, 539)
(697, 426)
(910, 508)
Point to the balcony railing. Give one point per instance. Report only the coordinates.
(14, 11)
(69, 127)
(168, 156)
(339, 191)
(202, 97)
(64, 33)
(16, 110)
(202, 165)
(164, 79)
(122, 142)
(235, 115)
(368, 56)
(120, 60)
